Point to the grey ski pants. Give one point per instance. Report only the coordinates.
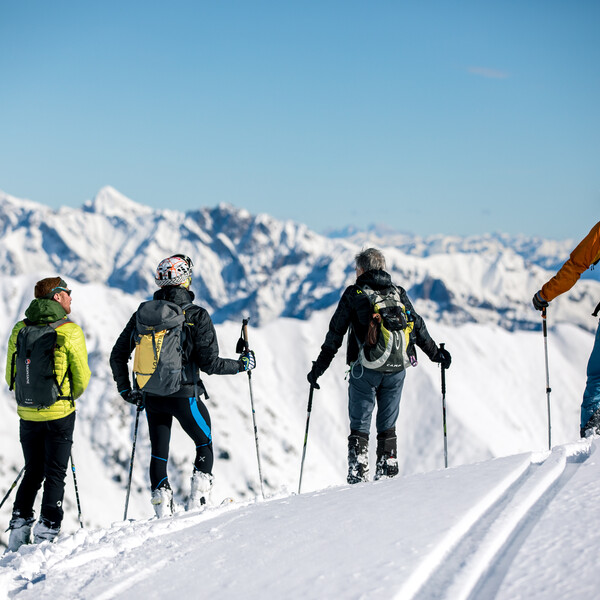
(367, 387)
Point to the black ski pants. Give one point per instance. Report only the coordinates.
(47, 449)
(193, 417)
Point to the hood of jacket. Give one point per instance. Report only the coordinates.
(42, 310)
(376, 279)
(176, 294)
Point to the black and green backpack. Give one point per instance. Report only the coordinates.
(388, 346)
(33, 374)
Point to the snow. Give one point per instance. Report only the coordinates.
(508, 528)
(509, 519)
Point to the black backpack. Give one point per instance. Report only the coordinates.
(159, 360)
(33, 375)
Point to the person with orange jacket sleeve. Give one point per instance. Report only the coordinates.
(582, 258)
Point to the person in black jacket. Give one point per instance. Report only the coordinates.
(201, 351)
(367, 386)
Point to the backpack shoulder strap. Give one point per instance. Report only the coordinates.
(60, 323)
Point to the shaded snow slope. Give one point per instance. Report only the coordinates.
(506, 528)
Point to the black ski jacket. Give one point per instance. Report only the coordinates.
(354, 310)
(204, 352)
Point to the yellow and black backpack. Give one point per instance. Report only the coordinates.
(159, 335)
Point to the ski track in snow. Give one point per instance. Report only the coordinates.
(475, 563)
(467, 561)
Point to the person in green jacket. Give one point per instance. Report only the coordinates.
(46, 434)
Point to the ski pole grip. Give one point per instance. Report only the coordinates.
(245, 332)
(544, 323)
(442, 345)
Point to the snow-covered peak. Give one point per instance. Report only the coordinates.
(112, 203)
(260, 266)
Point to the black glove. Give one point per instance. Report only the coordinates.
(247, 361)
(443, 357)
(132, 396)
(314, 374)
(538, 302)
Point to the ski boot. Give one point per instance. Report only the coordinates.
(358, 457)
(387, 455)
(45, 531)
(592, 426)
(162, 501)
(20, 531)
(201, 486)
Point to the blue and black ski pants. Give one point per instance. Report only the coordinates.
(193, 417)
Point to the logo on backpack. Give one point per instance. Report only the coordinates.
(388, 345)
(158, 362)
(33, 375)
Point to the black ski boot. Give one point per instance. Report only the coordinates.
(387, 454)
(358, 457)
(592, 426)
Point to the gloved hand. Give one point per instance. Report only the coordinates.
(443, 357)
(314, 374)
(247, 361)
(538, 302)
(132, 396)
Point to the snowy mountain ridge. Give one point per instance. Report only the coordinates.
(289, 279)
(258, 266)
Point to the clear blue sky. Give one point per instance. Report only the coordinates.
(430, 116)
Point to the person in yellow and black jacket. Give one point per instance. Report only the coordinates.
(582, 258)
(46, 434)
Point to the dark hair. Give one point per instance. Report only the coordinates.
(370, 259)
(45, 288)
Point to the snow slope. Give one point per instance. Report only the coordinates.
(509, 528)
(474, 293)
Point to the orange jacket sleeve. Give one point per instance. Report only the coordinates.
(586, 254)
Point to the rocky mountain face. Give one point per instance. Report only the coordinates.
(257, 266)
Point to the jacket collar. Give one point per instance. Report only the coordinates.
(176, 294)
(376, 279)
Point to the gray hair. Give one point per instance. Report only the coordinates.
(370, 259)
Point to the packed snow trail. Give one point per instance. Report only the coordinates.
(463, 573)
(449, 533)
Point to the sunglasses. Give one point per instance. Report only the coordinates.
(60, 289)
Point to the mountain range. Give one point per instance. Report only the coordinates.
(474, 293)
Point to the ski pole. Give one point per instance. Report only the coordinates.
(548, 389)
(76, 492)
(140, 407)
(12, 487)
(310, 399)
(444, 412)
(244, 345)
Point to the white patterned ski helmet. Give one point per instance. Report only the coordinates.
(175, 270)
